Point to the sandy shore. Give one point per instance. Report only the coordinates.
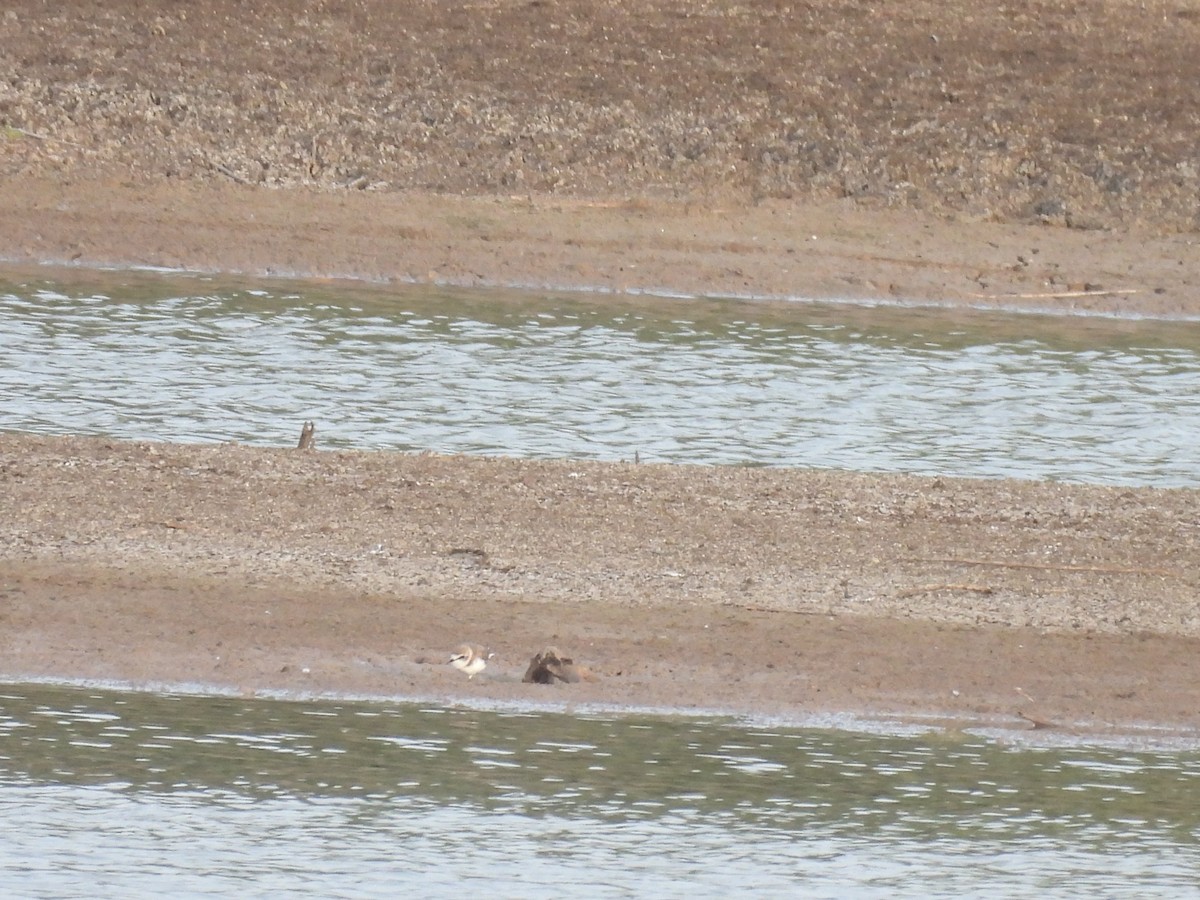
(769, 592)
(953, 155)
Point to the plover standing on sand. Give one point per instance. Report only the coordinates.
(470, 659)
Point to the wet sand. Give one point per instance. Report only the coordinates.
(833, 250)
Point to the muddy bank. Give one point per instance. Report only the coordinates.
(833, 251)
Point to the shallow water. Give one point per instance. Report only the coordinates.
(121, 793)
(195, 359)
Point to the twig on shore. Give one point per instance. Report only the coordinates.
(229, 173)
(1037, 724)
(1048, 567)
(931, 588)
(41, 137)
(1056, 295)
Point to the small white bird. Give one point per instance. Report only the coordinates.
(470, 659)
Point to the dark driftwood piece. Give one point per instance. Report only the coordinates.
(551, 667)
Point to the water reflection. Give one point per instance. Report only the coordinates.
(537, 376)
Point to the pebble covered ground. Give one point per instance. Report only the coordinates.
(1072, 113)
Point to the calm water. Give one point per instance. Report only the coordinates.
(190, 359)
(121, 794)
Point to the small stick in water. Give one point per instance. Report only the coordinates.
(306, 436)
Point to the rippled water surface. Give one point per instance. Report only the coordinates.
(191, 359)
(120, 794)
